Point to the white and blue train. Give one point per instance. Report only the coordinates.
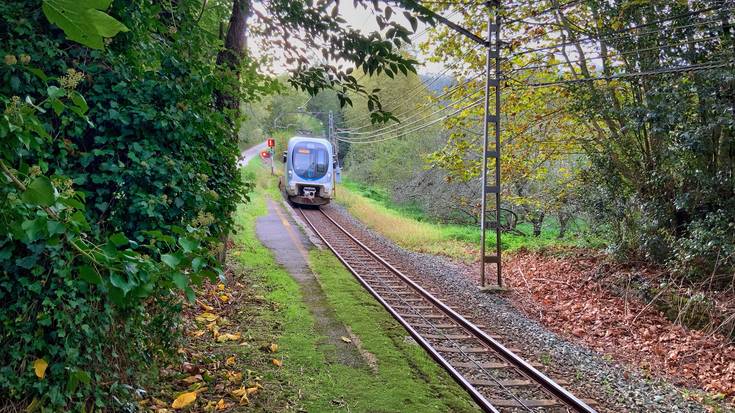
(309, 171)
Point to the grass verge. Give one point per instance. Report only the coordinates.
(402, 375)
(408, 227)
(254, 335)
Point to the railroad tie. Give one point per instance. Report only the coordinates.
(462, 350)
(526, 403)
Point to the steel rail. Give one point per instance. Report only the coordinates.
(457, 376)
(504, 353)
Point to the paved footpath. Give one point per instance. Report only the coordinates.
(250, 153)
(280, 233)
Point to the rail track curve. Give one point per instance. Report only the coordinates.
(494, 376)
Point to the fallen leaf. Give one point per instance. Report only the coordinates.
(346, 340)
(206, 317)
(230, 361)
(221, 287)
(192, 379)
(221, 405)
(224, 298)
(251, 390)
(184, 400)
(273, 347)
(205, 306)
(228, 337)
(197, 333)
(239, 392)
(234, 377)
(277, 362)
(39, 366)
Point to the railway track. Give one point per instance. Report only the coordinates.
(496, 378)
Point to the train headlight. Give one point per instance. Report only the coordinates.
(290, 173)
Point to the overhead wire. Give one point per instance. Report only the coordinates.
(419, 110)
(475, 103)
(414, 91)
(610, 55)
(374, 134)
(608, 35)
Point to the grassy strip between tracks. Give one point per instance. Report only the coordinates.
(408, 228)
(398, 376)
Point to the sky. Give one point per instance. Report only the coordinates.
(364, 21)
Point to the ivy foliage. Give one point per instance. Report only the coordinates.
(119, 177)
(117, 180)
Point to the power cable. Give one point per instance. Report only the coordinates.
(475, 103)
(382, 131)
(419, 109)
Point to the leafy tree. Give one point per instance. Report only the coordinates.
(117, 151)
(648, 86)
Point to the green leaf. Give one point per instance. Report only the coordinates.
(39, 192)
(55, 92)
(188, 245)
(180, 280)
(119, 239)
(170, 260)
(76, 377)
(120, 281)
(190, 294)
(79, 101)
(83, 21)
(89, 274)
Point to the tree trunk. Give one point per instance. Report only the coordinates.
(563, 221)
(230, 59)
(537, 220)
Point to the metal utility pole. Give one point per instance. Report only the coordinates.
(492, 59)
(335, 143)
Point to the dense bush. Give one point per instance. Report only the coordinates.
(117, 181)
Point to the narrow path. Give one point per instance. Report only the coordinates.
(278, 232)
(250, 153)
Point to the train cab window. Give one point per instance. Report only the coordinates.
(309, 160)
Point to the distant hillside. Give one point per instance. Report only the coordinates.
(437, 86)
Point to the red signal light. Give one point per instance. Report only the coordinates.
(271, 143)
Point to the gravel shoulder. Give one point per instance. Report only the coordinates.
(614, 386)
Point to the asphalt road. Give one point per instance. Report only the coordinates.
(250, 153)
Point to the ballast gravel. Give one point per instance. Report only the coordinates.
(589, 375)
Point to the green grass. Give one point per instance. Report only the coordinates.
(411, 228)
(406, 379)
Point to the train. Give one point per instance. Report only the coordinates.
(309, 175)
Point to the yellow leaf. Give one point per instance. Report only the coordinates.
(251, 390)
(234, 377)
(239, 392)
(184, 400)
(205, 306)
(224, 298)
(228, 337)
(39, 366)
(221, 287)
(197, 333)
(206, 317)
(346, 340)
(273, 347)
(230, 361)
(277, 362)
(221, 405)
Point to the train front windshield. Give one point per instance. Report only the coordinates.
(310, 160)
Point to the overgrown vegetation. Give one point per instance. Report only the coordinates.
(630, 122)
(118, 147)
(410, 227)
